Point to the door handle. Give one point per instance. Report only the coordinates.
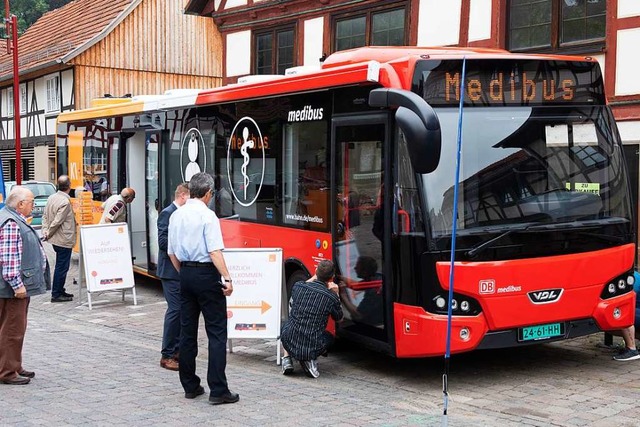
(340, 229)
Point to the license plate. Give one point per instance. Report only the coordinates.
(541, 332)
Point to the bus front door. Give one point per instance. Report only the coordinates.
(127, 149)
(360, 145)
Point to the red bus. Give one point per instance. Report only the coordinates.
(354, 161)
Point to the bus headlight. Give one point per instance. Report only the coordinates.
(631, 280)
(464, 306)
(612, 288)
(440, 302)
(621, 284)
(454, 304)
(617, 313)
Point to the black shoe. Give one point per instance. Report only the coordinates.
(18, 380)
(228, 397)
(27, 374)
(61, 298)
(67, 295)
(193, 394)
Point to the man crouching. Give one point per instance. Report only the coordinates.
(304, 336)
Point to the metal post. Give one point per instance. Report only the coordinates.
(16, 98)
(11, 30)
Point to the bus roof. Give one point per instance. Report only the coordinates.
(387, 66)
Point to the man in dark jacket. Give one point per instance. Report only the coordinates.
(304, 335)
(170, 283)
(25, 273)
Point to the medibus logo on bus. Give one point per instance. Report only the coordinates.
(246, 160)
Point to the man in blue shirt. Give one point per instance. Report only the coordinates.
(195, 248)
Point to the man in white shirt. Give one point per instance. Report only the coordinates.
(204, 285)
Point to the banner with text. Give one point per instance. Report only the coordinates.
(106, 253)
(253, 309)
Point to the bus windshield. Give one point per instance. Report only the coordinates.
(533, 165)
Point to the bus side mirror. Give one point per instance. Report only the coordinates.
(418, 122)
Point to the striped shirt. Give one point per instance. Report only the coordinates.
(11, 254)
(304, 335)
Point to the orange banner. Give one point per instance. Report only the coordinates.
(76, 172)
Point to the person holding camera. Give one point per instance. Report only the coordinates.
(304, 336)
(204, 285)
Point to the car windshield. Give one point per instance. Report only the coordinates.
(527, 164)
(41, 190)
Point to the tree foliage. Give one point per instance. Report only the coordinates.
(29, 11)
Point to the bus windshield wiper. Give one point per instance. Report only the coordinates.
(474, 251)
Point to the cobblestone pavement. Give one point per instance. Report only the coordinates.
(101, 367)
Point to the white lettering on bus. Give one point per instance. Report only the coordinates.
(306, 114)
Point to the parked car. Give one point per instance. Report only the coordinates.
(41, 190)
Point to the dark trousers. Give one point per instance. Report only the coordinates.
(171, 333)
(13, 325)
(63, 259)
(201, 293)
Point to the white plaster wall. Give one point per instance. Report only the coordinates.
(235, 3)
(439, 22)
(601, 61)
(41, 164)
(67, 87)
(627, 82)
(313, 35)
(480, 20)
(628, 8)
(238, 53)
(629, 132)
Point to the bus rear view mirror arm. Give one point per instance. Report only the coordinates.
(418, 122)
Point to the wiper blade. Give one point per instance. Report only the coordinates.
(471, 253)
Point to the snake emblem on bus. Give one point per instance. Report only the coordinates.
(243, 150)
(246, 161)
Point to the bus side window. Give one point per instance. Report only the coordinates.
(408, 218)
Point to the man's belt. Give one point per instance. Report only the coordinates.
(196, 264)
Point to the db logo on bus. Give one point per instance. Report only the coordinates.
(487, 286)
(246, 161)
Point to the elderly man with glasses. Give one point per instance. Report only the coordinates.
(25, 273)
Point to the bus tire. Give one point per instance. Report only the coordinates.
(296, 276)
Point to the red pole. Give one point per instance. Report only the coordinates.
(16, 98)
(11, 29)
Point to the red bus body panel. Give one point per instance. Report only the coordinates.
(309, 247)
(581, 276)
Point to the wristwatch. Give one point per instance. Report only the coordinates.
(227, 280)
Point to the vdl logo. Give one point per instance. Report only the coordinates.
(246, 161)
(545, 296)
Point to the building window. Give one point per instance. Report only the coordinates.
(53, 94)
(23, 98)
(556, 24)
(375, 27)
(10, 102)
(274, 51)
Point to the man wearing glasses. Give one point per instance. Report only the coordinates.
(114, 209)
(25, 273)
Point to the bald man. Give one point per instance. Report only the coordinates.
(115, 209)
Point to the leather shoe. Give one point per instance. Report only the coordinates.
(18, 380)
(61, 298)
(193, 394)
(27, 374)
(170, 364)
(67, 295)
(228, 397)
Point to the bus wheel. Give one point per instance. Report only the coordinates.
(296, 276)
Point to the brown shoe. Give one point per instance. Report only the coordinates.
(176, 356)
(169, 364)
(18, 380)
